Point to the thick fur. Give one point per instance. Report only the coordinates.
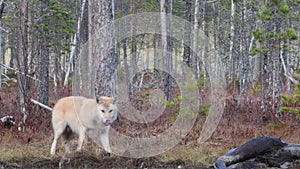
(77, 115)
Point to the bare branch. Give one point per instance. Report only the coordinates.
(286, 72)
(41, 104)
(17, 71)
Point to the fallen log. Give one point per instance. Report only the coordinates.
(260, 153)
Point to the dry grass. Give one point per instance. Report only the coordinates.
(194, 153)
(13, 150)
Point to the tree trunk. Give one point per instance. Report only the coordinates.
(81, 79)
(247, 64)
(195, 41)
(288, 66)
(155, 53)
(231, 59)
(44, 61)
(1, 49)
(133, 36)
(124, 46)
(168, 52)
(258, 57)
(101, 15)
(21, 60)
(277, 79)
(169, 38)
(187, 33)
(163, 34)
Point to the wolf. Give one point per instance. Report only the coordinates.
(77, 115)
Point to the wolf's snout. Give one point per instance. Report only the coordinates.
(107, 122)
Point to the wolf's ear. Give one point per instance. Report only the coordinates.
(114, 99)
(103, 99)
(98, 98)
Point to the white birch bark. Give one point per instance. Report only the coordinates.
(73, 48)
(231, 40)
(163, 33)
(195, 40)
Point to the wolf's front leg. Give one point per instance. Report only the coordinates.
(81, 138)
(105, 142)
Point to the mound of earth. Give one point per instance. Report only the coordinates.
(89, 161)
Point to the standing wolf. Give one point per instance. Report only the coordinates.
(77, 115)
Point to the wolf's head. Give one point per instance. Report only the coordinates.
(108, 110)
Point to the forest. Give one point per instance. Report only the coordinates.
(192, 79)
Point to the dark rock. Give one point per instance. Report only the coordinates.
(261, 152)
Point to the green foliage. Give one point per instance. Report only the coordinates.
(170, 104)
(275, 2)
(284, 9)
(201, 80)
(291, 33)
(257, 87)
(281, 35)
(205, 109)
(270, 14)
(236, 1)
(265, 14)
(259, 35)
(287, 99)
(296, 75)
(254, 50)
(289, 109)
(179, 98)
(145, 95)
(275, 125)
(11, 74)
(269, 35)
(265, 10)
(149, 6)
(292, 102)
(61, 25)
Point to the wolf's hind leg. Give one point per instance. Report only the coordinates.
(58, 130)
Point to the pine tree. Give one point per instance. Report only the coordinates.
(292, 103)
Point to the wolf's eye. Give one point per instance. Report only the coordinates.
(103, 111)
(110, 111)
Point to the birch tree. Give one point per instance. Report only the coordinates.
(82, 39)
(195, 40)
(163, 33)
(75, 41)
(232, 18)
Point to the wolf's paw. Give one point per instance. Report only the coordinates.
(63, 161)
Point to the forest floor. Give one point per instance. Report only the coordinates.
(30, 149)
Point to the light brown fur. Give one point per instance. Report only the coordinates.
(76, 115)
